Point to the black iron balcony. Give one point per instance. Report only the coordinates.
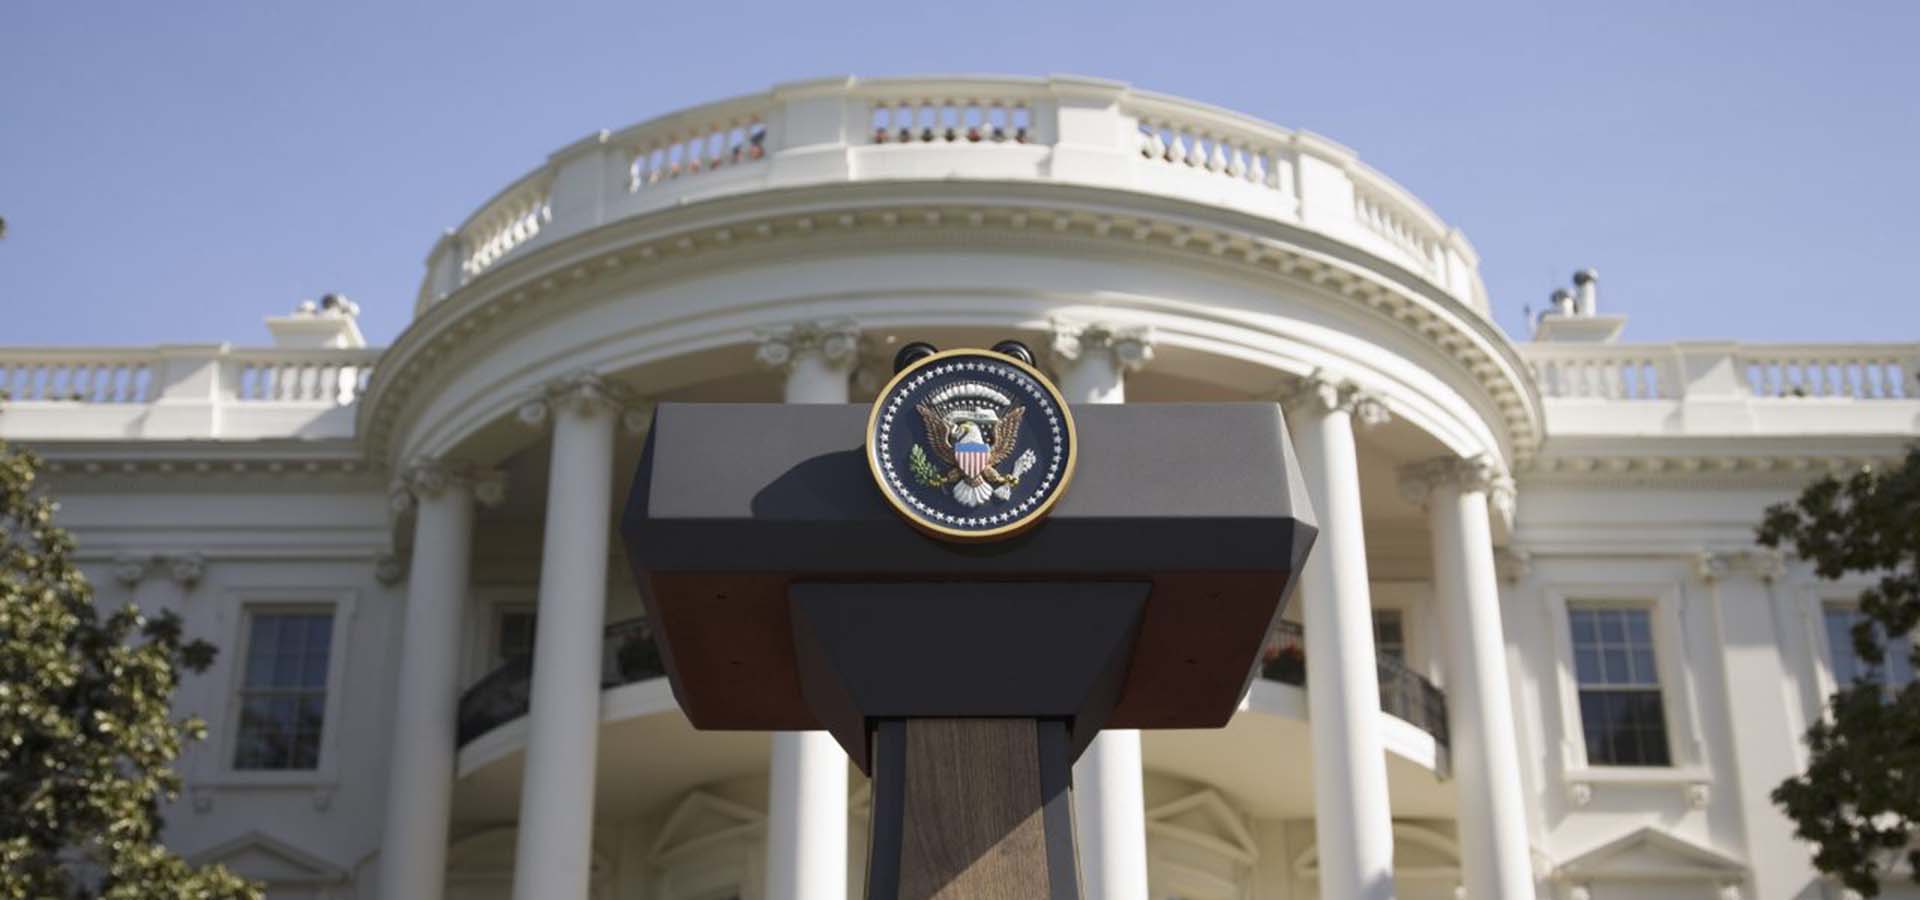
(627, 655)
(1404, 693)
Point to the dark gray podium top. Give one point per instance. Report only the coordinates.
(735, 503)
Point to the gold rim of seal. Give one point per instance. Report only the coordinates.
(1010, 529)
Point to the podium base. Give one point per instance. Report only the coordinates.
(972, 809)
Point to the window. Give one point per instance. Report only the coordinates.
(1389, 638)
(1896, 668)
(1621, 712)
(283, 693)
(513, 634)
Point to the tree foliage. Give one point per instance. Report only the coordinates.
(1859, 800)
(87, 735)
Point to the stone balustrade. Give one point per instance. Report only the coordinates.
(1060, 129)
(1679, 371)
(1725, 388)
(180, 392)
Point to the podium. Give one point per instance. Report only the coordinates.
(786, 594)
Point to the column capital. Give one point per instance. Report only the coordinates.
(429, 476)
(1131, 345)
(1479, 473)
(1324, 393)
(586, 392)
(837, 341)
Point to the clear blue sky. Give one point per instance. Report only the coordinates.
(174, 171)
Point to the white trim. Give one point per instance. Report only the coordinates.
(243, 601)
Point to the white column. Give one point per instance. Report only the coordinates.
(1353, 822)
(554, 853)
(1495, 858)
(413, 848)
(1109, 803)
(807, 780)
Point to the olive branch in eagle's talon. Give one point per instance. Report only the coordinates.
(924, 470)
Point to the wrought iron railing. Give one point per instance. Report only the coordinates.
(1404, 693)
(627, 655)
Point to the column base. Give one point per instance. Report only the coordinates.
(972, 808)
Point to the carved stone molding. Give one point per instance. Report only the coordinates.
(1514, 564)
(1322, 392)
(1769, 564)
(184, 569)
(431, 477)
(836, 341)
(389, 569)
(1131, 345)
(587, 393)
(1469, 342)
(1419, 480)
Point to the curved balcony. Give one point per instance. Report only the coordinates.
(1404, 693)
(1071, 131)
(627, 655)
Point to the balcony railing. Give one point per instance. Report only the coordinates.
(1404, 693)
(627, 655)
(181, 392)
(1684, 371)
(1073, 130)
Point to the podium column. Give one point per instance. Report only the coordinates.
(1109, 802)
(413, 845)
(1495, 856)
(807, 779)
(554, 852)
(1353, 823)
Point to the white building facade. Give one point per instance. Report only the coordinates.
(1536, 652)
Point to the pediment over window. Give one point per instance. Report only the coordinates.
(1650, 854)
(1204, 819)
(259, 856)
(703, 820)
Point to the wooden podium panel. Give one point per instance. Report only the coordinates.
(979, 810)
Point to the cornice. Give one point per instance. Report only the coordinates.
(675, 241)
(1702, 470)
(302, 460)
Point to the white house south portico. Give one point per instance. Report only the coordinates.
(1494, 512)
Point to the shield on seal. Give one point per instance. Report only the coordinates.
(972, 456)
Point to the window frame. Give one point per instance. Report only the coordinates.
(1656, 686)
(245, 604)
(1678, 689)
(1824, 602)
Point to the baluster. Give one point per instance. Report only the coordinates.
(1217, 160)
(1196, 157)
(1257, 168)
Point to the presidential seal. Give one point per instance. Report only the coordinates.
(971, 445)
